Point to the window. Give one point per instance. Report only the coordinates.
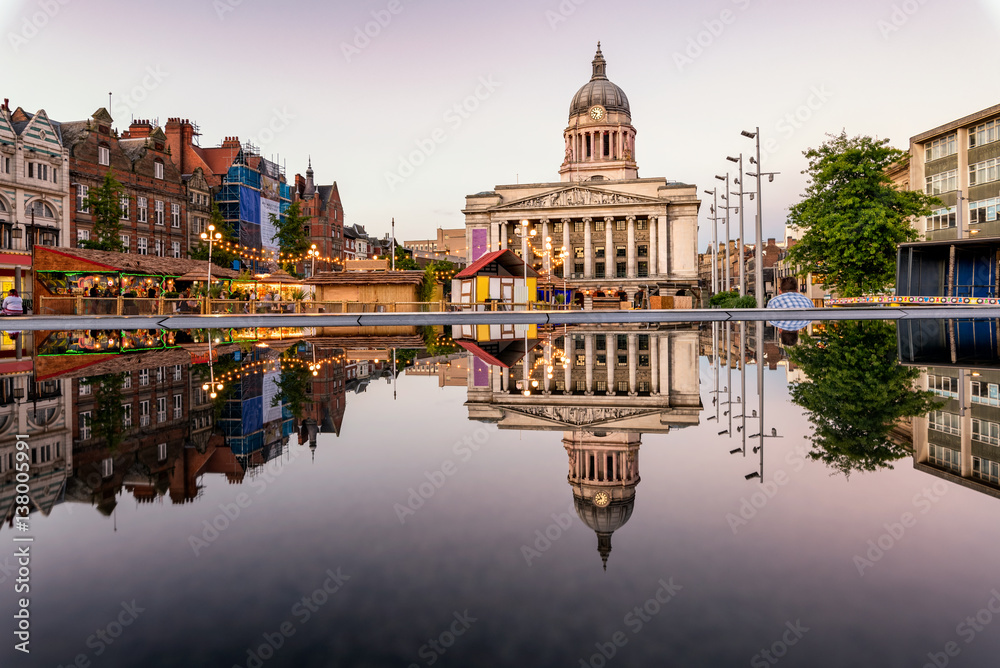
(621, 342)
(581, 386)
(142, 209)
(623, 386)
(941, 219)
(622, 360)
(644, 386)
(108, 466)
(643, 269)
(177, 372)
(620, 270)
(82, 235)
(127, 382)
(641, 224)
(986, 469)
(944, 386)
(984, 210)
(123, 202)
(144, 377)
(103, 155)
(984, 172)
(55, 175)
(81, 199)
(125, 242)
(158, 248)
(127, 416)
(599, 270)
(85, 389)
(602, 360)
(599, 226)
(85, 424)
(642, 250)
(175, 215)
(601, 342)
(985, 432)
(941, 147)
(161, 451)
(578, 226)
(144, 413)
(161, 409)
(141, 246)
(5, 165)
(985, 133)
(643, 360)
(178, 405)
(942, 421)
(175, 248)
(942, 183)
(161, 374)
(620, 225)
(578, 268)
(578, 252)
(620, 251)
(158, 212)
(643, 342)
(945, 457)
(158, 169)
(602, 386)
(984, 393)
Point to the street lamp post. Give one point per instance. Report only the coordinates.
(727, 207)
(211, 237)
(758, 251)
(312, 260)
(742, 244)
(715, 239)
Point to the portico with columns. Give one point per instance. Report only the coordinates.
(621, 233)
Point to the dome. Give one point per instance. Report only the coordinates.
(604, 520)
(599, 91)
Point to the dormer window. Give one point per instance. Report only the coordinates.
(103, 155)
(158, 169)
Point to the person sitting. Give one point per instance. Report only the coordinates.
(789, 297)
(12, 304)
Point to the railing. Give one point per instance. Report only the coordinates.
(497, 305)
(194, 305)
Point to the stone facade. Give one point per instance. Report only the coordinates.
(622, 234)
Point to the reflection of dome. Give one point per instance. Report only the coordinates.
(599, 90)
(604, 521)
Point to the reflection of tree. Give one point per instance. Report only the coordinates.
(855, 394)
(293, 385)
(107, 421)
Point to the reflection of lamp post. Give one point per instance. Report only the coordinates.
(211, 236)
(312, 255)
(211, 387)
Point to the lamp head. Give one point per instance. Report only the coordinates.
(753, 161)
(732, 159)
(721, 178)
(770, 178)
(751, 135)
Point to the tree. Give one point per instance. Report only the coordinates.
(293, 385)
(404, 261)
(291, 235)
(856, 392)
(107, 422)
(104, 204)
(852, 216)
(221, 256)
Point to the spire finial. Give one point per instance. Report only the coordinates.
(600, 65)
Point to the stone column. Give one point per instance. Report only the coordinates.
(503, 234)
(547, 388)
(611, 350)
(589, 355)
(588, 249)
(609, 248)
(651, 253)
(662, 243)
(568, 371)
(633, 362)
(547, 257)
(654, 363)
(630, 248)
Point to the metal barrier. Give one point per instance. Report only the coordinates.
(80, 305)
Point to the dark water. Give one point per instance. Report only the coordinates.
(440, 516)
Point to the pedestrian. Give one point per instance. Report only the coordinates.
(12, 304)
(789, 297)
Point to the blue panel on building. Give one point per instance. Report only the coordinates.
(253, 415)
(249, 205)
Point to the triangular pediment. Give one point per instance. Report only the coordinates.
(576, 416)
(576, 195)
(103, 117)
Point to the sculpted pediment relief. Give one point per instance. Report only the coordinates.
(577, 196)
(579, 416)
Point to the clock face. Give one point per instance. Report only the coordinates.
(597, 112)
(601, 499)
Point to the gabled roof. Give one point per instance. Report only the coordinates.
(504, 257)
(404, 277)
(151, 264)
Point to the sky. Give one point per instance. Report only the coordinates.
(411, 105)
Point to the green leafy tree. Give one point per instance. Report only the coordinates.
(107, 422)
(293, 385)
(220, 256)
(852, 217)
(104, 204)
(291, 235)
(404, 261)
(856, 392)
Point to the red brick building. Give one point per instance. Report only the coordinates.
(326, 226)
(153, 206)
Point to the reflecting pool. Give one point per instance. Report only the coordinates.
(711, 494)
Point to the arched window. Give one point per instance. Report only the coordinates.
(40, 209)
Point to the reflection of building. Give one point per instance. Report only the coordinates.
(622, 232)
(450, 370)
(603, 388)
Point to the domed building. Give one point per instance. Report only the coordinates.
(601, 233)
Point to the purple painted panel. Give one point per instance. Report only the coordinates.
(481, 373)
(480, 241)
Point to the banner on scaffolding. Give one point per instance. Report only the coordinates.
(267, 228)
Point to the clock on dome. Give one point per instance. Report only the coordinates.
(598, 113)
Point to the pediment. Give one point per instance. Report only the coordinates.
(576, 196)
(576, 416)
(103, 117)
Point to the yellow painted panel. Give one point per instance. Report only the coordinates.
(532, 289)
(482, 288)
(482, 332)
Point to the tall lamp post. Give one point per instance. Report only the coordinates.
(312, 260)
(715, 239)
(726, 197)
(758, 251)
(742, 244)
(211, 237)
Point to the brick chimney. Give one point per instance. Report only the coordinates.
(300, 184)
(139, 129)
(180, 137)
(231, 142)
